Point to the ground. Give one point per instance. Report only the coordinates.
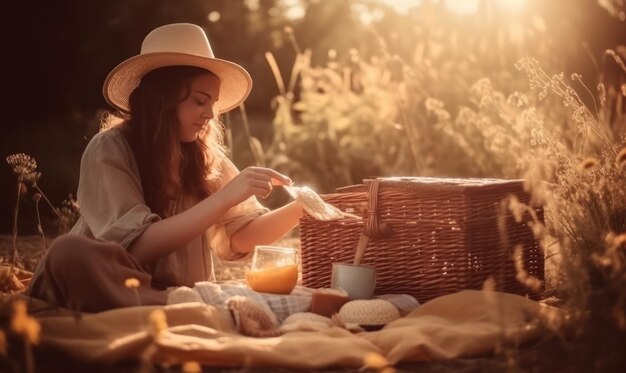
(543, 356)
(538, 356)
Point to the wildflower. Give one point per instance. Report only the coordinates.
(22, 164)
(68, 214)
(436, 107)
(588, 163)
(71, 203)
(191, 367)
(621, 158)
(158, 322)
(375, 361)
(69, 207)
(37, 197)
(131, 283)
(517, 99)
(22, 323)
(482, 87)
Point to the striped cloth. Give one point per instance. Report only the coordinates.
(299, 300)
(216, 294)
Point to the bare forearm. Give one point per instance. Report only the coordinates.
(267, 228)
(165, 236)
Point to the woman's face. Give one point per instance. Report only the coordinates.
(198, 108)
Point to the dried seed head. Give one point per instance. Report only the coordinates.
(37, 197)
(22, 164)
(71, 204)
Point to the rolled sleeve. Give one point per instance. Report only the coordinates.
(109, 191)
(236, 218)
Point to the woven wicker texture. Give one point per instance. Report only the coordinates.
(431, 237)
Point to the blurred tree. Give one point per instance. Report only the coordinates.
(57, 55)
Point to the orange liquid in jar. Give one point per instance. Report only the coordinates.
(277, 280)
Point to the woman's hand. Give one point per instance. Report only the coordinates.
(160, 237)
(253, 181)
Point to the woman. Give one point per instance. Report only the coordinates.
(157, 193)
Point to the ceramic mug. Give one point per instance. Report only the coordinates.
(359, 281)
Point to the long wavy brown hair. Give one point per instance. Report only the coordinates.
(170, 169)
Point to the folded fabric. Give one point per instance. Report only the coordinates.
(467, 323)
(252, 318)
(282, 305)
(405, 303)
(462, 324)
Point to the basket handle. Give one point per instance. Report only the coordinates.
(372, 228)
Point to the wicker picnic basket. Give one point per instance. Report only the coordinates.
(426, 236)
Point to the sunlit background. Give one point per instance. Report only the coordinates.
(340, 85)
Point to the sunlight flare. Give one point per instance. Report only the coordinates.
(293, 9)
(462, 7)
(401, 6)
(512, 5)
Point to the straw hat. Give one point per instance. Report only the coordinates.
(171, 45)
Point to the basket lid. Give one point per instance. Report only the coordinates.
(408, 183)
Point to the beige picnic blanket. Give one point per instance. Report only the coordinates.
(462, 324)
